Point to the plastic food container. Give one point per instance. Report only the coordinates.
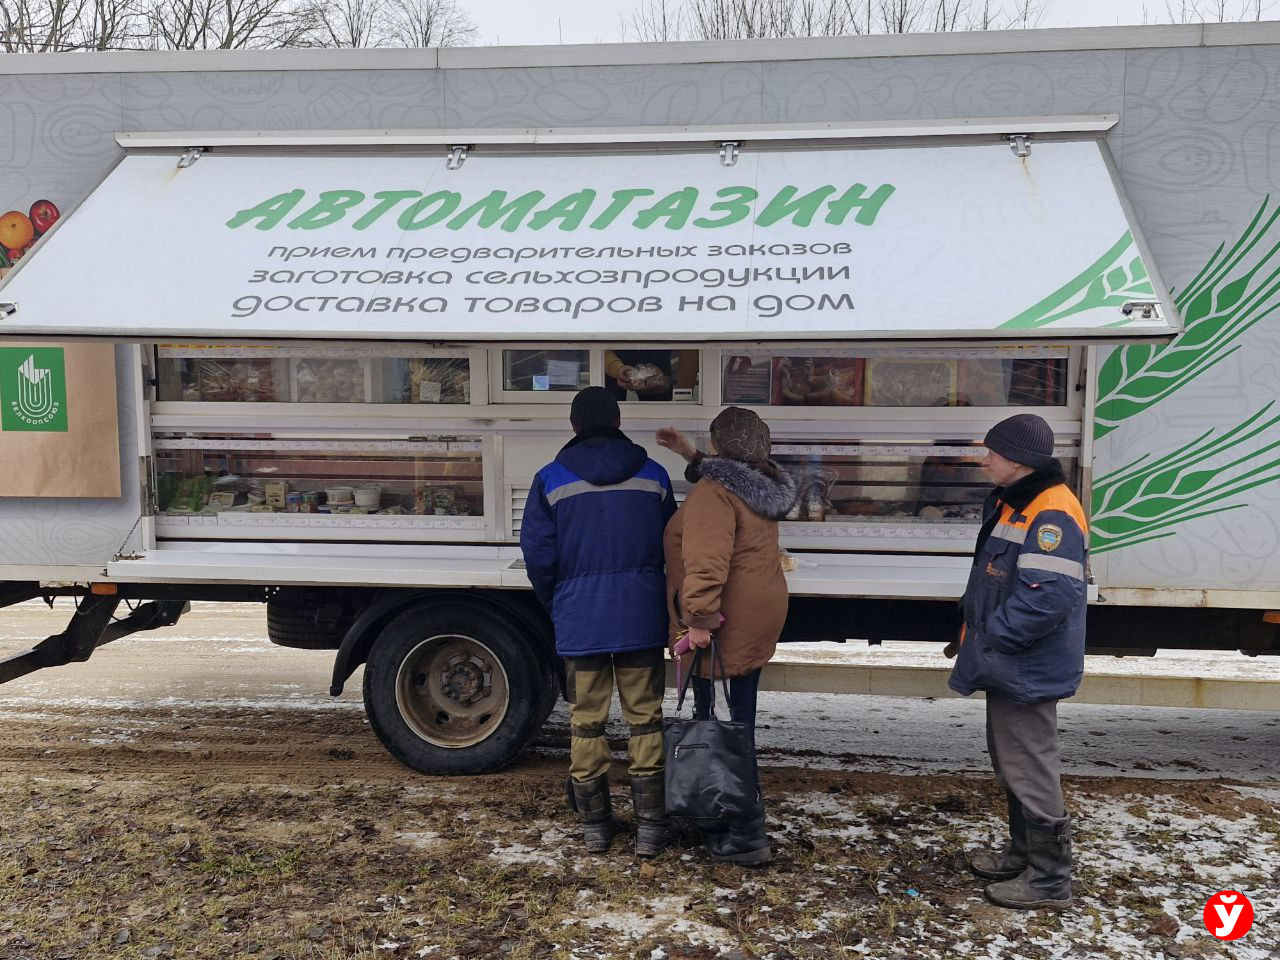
(339, 494)
(368, 496)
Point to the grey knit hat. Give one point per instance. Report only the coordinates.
(739, 434)
(1024, 439)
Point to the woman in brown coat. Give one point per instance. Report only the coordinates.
(724, 575)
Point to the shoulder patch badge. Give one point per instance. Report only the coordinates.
(1049, 537)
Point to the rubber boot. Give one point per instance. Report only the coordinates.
(590, 798)
(1009, 862)
(743, 841)
(653, 827)
(1046, 882)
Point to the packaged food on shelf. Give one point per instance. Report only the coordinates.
(339, 495)
(317, 380)
(277, 492)
(222, 500)
(318, 482)
(369, 495)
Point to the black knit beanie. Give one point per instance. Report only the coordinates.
(1024, 439)
(594, 412)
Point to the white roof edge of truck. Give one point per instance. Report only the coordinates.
(1057, 40)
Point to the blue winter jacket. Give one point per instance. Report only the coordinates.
(592, 542)
(1025, 604)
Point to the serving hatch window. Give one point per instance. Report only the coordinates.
(648, 374)
(905, 378)
(545, 371)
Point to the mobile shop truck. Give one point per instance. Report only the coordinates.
(300, 327)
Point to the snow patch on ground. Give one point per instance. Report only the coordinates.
(548, 849)
(662, 915)
(422, 840)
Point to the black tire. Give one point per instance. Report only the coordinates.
(550, 691)
(295, 625)
(454, 687)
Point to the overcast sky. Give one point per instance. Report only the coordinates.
(513, 22)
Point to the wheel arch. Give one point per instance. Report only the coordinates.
(519, 606)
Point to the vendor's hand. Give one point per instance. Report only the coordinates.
(676, 442)
(699, 638)
(624, 378)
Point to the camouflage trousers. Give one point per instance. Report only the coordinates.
(640, 677)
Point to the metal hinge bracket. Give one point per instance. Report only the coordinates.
(457, 157)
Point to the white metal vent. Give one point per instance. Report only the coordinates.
(518, 497)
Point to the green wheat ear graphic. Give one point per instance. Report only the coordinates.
(1112, 280)
(1144, 500)
(1234, 290)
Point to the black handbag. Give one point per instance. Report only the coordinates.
(711, 769)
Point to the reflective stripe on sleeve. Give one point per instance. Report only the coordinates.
(1039, 561)
(1007, 531)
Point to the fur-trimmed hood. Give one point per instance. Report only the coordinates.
(771, 493)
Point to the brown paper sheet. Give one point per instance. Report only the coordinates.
(83, 461)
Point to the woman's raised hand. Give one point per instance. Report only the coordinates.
(676, 442)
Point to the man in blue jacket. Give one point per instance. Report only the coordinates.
(1023, 643)
(592, 542)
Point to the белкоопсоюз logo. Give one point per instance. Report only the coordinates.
(33, 389)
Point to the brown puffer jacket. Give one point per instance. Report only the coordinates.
(722, 559)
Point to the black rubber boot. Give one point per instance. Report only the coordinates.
(1009, 862)
(743, 842)
(653, 827)
(1046, 882)
(590, 798)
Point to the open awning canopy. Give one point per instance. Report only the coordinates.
(780, 241)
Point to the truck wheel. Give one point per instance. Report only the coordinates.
(550, 692)
(290, 625)
(454, 688)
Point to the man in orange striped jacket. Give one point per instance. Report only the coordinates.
(1023, 643)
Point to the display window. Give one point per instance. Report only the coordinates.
(937, 482)
(653, 374)
(278, 483)
(312, 375)
(545, 371)
(905, 378)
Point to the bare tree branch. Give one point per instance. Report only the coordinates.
(427, 23)
(45, 26)
(733, 19)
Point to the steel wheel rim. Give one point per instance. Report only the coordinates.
(452, 691)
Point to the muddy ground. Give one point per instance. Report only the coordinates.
(196, 795)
